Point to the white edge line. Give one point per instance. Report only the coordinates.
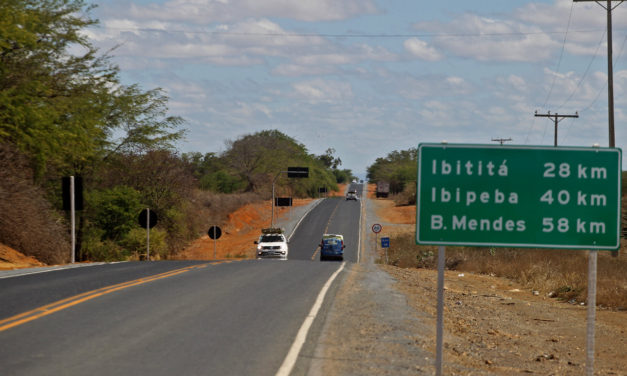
(299, 341)
(362, 207)
(53, 269)
(303, 217)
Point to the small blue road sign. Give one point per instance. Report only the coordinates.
(385, 242)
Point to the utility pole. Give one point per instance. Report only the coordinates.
(556, 118)
(501, 140)
(610, 72)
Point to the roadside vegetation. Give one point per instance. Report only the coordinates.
(65, 112)
(560, 274)
(399, 169)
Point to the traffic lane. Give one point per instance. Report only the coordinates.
(306, 238)
(345, 222)
(235, 319)
(24, 293)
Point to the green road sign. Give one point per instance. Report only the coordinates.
(518, 196)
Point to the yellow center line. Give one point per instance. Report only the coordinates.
(313, 257)
(51, 308)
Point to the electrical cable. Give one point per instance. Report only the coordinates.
(584, 73)
(559, 62)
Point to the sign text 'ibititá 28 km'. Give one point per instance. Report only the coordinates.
(518, 196)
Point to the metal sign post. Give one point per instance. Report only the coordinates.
(73, 217)
(148, 234)
(147, 219)
(439, 340)
(214, 233)
(591, 316)
(376, 228)
(385, 244)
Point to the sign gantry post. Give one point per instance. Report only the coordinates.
(292, 172)
(519, 196)
(147, 219)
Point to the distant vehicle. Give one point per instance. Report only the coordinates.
(332, 247)
(352, 195)
(354, 180)
(383, 189)
(272, 244)
(361, 182)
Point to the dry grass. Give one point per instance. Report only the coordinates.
(27, 221)
(561, 273)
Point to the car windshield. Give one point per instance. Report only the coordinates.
(271, 238)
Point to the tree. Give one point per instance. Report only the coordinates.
(62, 107)
(329, 160)
(398, 168)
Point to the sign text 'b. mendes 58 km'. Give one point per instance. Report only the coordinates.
(518, 196)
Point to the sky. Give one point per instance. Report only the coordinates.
(367, 77)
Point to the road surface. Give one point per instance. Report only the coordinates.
(173, 317)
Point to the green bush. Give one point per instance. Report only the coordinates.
(135, 242)
(96, 248)
(114, 210)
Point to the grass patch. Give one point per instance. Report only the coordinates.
(563, 273)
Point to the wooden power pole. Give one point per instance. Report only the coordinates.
(610, 72)
(556, 118)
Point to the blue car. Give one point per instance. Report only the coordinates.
(332, 247)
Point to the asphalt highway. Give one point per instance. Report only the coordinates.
(173, 317)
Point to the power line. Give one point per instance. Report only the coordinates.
(559, 62)
(584, 73)
(332, 35)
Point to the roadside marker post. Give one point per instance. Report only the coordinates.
(519, 196)
(376, 228)
(385, 244)
(214, 233)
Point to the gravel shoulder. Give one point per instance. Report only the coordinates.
(382, 322)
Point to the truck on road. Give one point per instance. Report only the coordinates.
(383, 189)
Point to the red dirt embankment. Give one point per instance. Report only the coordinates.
(238, 234)
(12, 259)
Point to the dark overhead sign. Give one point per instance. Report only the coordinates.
(283, 201)
(298, 172)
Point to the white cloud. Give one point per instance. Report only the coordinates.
(491, 40)
(209, 11)
(422, 50)
(318, 90)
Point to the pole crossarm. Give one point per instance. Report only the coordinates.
(556, 119)
(601, 4)
(501, 140)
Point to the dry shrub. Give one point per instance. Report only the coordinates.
(214, 208)
(27, 221)
(564, 273)
(407, 196)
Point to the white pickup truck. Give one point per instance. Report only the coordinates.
(272, 244)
